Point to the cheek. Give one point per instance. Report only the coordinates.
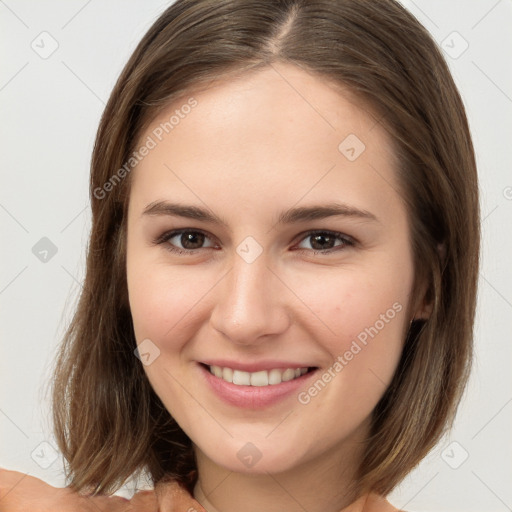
(165, 304)
(359, 317)
(347, 305)
(167, 307)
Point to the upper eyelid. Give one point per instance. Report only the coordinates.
(175, 232)
(298, 238)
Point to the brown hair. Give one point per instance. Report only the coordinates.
(108, 421)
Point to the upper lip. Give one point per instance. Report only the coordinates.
(255, 366)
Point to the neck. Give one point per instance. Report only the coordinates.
(319, 485)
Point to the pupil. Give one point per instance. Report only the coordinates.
(191, 238)
(316, 238)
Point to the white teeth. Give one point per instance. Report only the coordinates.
(258, 379)
(227, 374)
(241, 378)
(216, 370)
(288, 374)
(274, 377)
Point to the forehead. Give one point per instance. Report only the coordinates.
(277, 134)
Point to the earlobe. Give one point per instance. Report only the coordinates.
(424, 302)
(424, 308)
(424, 311)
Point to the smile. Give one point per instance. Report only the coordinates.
(255, 385)
(258, 379)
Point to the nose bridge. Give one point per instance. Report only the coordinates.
(249, 305)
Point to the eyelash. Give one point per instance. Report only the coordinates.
(165, 237)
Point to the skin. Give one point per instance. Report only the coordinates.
(252, 148)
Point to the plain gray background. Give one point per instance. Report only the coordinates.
(51, 104)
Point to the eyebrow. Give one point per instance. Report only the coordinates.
(291, 216)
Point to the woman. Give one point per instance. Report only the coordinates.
(281, 277)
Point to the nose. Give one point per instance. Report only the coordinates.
(250, 303)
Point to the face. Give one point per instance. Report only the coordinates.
(268, 243)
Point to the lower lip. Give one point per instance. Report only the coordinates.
(253, 397)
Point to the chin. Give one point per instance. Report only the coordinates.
(250, 460)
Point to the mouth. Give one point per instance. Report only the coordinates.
(262, 378)
(257, 389)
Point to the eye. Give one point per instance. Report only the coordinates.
(326, 241)
(189, 239)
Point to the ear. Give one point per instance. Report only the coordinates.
(426, 304)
